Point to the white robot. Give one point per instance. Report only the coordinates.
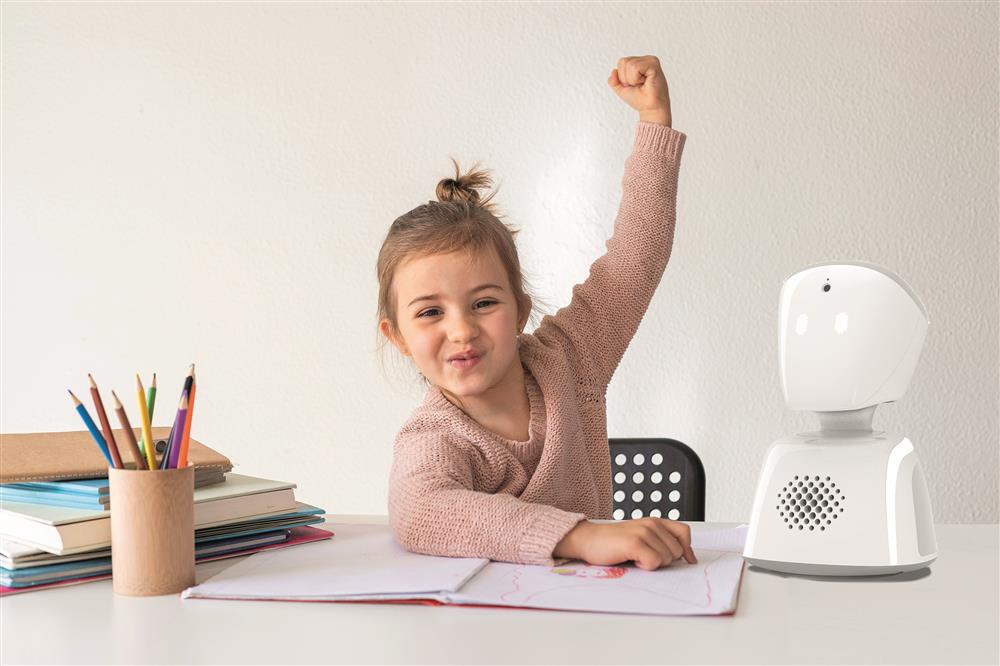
(846, 500)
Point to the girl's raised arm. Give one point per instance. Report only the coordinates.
(605, 311)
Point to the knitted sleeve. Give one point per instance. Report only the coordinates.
(606, 309)
(433, 509)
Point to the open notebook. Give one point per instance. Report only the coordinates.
(364, 563)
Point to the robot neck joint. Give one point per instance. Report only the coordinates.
(854, 419)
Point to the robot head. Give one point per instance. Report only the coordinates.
(850, 334)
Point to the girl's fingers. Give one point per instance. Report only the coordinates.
(663, 541)
(634, 70)
(634, 75)
(682, 532)
(675, 549)
(621, 71)
(626, 71)
(651, 554)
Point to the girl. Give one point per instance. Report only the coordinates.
(507, 456)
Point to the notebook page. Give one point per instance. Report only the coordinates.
(360, 562)
(729, 539)
(709, 587)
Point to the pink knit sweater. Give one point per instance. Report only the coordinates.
(460, 490)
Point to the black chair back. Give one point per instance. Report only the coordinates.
(657, 477)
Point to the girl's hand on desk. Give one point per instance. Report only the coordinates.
(649, 542)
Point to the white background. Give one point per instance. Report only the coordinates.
(211, 183)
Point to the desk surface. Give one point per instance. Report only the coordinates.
(945, 614)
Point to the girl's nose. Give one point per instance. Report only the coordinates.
(462, 330)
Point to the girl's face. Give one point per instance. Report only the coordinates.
(457, 304)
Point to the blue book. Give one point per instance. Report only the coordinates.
(49, 573)
(306, 514)
(55, 500)
(64, 530)
(89, 487)
(17, 555)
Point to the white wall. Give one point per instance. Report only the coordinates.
(211, 182)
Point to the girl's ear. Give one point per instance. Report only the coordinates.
(386, 329)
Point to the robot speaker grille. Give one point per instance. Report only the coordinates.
(810, 502)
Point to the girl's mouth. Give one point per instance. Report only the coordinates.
(465, 363)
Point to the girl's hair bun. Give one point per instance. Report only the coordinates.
(466, 188)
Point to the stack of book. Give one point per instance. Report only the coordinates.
(58, 532)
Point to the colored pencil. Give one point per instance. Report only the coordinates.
(186, 438)
(109, 437)
(151, 398)
(147, 430)
(170, 438)
(170, 435)
(166, 447)
(133, 448)
(89, 422)
(188, 385)
(166, 450)
(175, 441)
(150, 401)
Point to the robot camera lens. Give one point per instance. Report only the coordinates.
(826, 287)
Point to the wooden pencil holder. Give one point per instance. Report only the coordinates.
(152, 530)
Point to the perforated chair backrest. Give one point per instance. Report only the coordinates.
(657, 477)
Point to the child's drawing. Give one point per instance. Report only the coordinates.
(685, 589)
(590, 572)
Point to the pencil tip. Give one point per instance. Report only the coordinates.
(91, 378)
(154, 380)
(73, 396)
(118, 403)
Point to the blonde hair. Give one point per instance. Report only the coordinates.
(460, 220)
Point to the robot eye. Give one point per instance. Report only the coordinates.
(826, 287)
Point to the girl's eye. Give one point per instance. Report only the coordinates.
(434, 312)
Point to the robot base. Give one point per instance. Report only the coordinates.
(804, 568)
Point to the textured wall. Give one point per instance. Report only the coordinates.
(211, 183)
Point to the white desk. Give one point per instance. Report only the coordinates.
(945, 614)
